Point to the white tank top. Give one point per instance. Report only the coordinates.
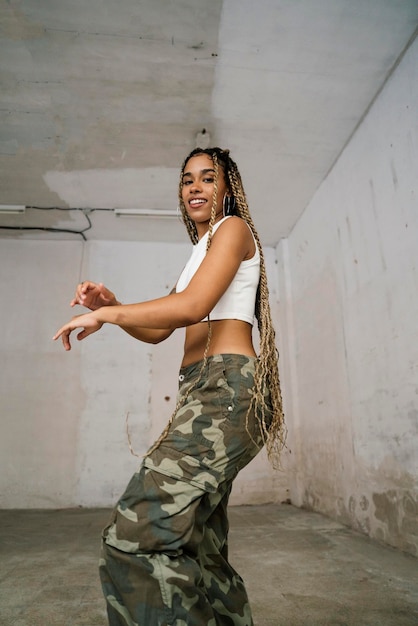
(238, 301)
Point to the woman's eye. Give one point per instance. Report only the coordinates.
(207, 179)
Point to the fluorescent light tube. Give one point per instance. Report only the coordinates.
(12, 208)
(146, 212)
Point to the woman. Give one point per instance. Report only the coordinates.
(165, 559)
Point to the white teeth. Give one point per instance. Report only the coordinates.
(196, 202)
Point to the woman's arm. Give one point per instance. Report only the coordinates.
(148, 335)
(229, 247)
(95, 295)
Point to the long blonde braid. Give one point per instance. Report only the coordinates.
(266, 377)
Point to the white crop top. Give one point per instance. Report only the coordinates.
(238, 301)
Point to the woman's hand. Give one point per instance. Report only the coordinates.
(93, 296)
(88, 322)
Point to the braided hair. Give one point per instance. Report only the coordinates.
(266, 378)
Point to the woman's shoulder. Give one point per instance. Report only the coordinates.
(232, 223)
(236, 229)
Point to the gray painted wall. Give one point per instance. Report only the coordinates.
(349, 310)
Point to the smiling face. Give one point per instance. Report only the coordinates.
(198, 189)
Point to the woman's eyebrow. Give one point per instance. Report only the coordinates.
(205, 171)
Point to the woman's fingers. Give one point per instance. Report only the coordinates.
(92, 295)
(78, 295)
(88, 324)
(64, 332)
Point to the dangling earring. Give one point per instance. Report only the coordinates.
(179, 214)
(228, 205)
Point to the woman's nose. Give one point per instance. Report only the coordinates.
(195, 186)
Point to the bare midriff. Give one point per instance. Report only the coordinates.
(228, 337)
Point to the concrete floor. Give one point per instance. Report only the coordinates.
(301, 569)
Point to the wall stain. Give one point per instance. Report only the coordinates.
(394, 175)
(363, 503)
(377, 230)
(390, 517)
(397, 511)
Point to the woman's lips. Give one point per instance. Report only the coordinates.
(195, 203)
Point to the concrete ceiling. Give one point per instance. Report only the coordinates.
(101, 100)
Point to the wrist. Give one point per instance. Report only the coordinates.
(108, 314)
(100, 314)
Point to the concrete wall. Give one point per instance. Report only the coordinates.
(63, 439)
(349, 316)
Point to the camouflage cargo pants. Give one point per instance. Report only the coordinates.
(165, 552)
